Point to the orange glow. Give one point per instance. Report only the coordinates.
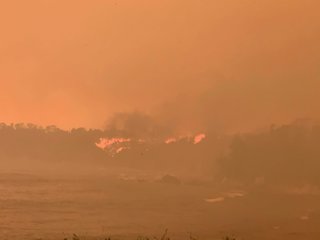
(170, 140)
(99, 58)
(106, 142)
(198, 138)
(122, 118)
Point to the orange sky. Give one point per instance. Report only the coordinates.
(75, 63)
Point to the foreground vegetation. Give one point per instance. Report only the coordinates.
(163, 237)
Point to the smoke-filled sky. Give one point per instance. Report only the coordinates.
(199, 64)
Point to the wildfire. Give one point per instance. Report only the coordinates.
(116, 145)
(198, 138)
(108, 142)
(170, 140)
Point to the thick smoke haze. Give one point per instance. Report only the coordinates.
(243, 64)
(120, 119)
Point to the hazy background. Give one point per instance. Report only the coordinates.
(231, 64)
(125, 118)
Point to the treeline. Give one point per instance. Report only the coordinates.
(285, 154)
(25, 142)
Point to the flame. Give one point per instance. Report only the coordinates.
(170, 140)
(108, 142)
(198, 138)
(117, 145)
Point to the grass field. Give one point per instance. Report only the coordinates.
(101, 207)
